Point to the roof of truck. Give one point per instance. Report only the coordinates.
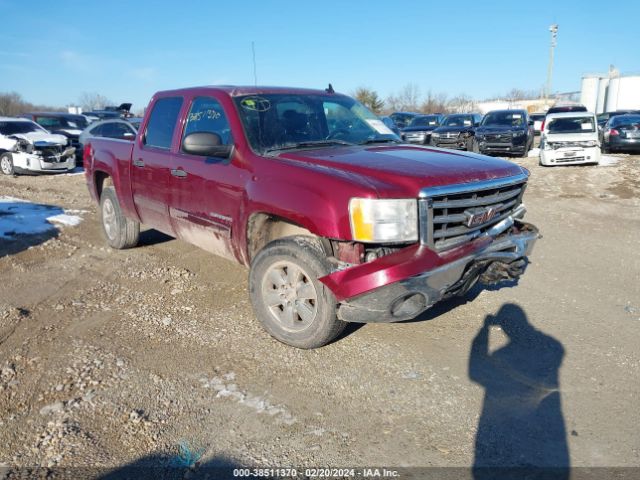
(239, 90)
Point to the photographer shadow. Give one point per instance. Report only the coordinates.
(521, 431)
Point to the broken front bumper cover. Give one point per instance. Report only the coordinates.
(499, 255)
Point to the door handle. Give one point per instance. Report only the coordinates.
(178, 172)
(138, 163)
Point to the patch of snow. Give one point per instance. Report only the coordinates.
(21, 217)
(607, 160)
(534, 152)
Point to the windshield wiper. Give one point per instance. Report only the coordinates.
(311, 143)
(380, 140)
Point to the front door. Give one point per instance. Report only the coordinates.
(206, 192)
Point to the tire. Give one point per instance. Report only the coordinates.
(304, 316)
(119, 231)
(6, 164)
(605, 149)
(475, 146)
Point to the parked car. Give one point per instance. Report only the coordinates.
(455, 130)
(604, 117)
(503, 132)
(391, 124)
(621, 134)
(402, 119)
(570, 138)
(114, 128)
(67, 124)
(536, 120)
(26, 147)
(420, 128)
(337, 219)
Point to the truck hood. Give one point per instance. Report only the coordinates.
(402, 170)
(42, 137)
(458, 129)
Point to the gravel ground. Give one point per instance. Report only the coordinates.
(153, 355)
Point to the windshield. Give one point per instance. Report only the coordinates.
(56, 123)
(504, 119)
(458, 121)
(284, 121)
(430, 121)
(572, 125)
(12, 128)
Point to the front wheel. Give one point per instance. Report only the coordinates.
(6, 164)
(120, 231)
(290, 302)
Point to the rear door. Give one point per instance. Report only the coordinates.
(151, 164)
(206, 192)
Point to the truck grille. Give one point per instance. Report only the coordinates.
(452, 215)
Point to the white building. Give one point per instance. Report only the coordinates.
(610, 92)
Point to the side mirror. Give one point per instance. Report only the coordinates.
(128, 136)
(206, 144)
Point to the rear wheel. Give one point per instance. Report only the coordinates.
(290, 302)
(605, 148)
(120, 231)
(6, 164)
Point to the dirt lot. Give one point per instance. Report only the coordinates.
(110, 358)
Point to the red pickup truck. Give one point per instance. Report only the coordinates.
(338, 220)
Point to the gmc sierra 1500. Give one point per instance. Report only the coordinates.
(338, 220)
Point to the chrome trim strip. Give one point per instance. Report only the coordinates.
(472, 186)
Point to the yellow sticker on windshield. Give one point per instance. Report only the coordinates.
(258, 104)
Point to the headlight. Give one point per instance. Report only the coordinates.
(381, 220)
(435, 134)
(590, 143)
(519, 133)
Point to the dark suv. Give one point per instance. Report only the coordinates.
(454, 130)
(420, 128)
(504, 132)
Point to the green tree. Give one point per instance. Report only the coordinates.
(370, 99)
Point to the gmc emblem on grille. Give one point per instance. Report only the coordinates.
(479, 216)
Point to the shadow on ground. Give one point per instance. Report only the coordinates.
(153, 237)
(521, 431)
(159, 467)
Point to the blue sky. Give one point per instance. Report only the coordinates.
(51, 52)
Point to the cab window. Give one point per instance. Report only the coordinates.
(206, 115)
(162, 122)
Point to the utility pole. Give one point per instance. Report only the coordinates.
(554, 41)
(255, 72)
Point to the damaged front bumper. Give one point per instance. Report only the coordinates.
(500, 254)
(24, 162)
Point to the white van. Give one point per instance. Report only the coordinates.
(569, 138)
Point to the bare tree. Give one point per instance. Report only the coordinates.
(407, 99)
(434, 103)
(462, 104)
(93, 101)
(12, 104)
(369, 98)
